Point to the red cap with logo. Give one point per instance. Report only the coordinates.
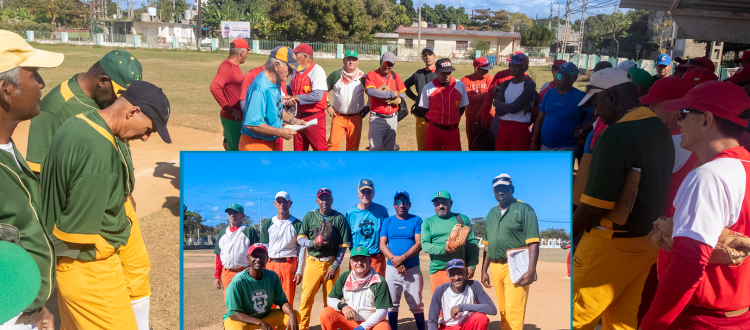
(304, 48)
(323, 191)
(698, 76)
(665, 89)
(699, 61)
(240, 43)
(482, 63)
(256, 246)
(721, 98)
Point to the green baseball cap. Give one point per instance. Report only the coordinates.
(122, 68)
(640, 77)
(359, 251)
(351, 53)
(236, 207)
(441, 194)
(20, 278)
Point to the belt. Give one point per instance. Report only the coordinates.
(236, 270)
(349, 115)
(320, 259)
(376, 255)
(282, 260)
(441, 126)
(715, 312)
(386, 116)
(502, 261)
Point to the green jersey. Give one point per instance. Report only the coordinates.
(515, 227)
(62, 102)
(253, 297)
(435, 233)
(84, 182)
(364, 302)
(313, 219)
(20, 207)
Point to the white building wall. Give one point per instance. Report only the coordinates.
(445, 45)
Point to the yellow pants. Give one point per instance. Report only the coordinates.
(312, 279)
(276, 318)
(511, 299)
(420, 129)
(608, 278)
(134, 257)
(92, 295)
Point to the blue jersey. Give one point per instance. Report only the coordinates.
(400, 234)
(263, 106)
(365, 226)
(561, 116)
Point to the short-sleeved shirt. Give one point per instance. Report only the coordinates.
(247, 80)
(400, 234)
(253, 297)
(62, 102)
(435, 233)
(304, 82)
(516, 227)
(365, 225)
(561, 116)
(365, 302)
(280, 236)
(84, 184)
(313, 219)
(263, 106)
(444, 103)
(232, 246)
(638, 140)
(374, 79)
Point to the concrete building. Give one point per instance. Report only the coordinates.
(164, 32)
(455, 43)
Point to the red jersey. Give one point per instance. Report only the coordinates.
(375, 80)
(249, 77)
(545, 88)
(226, 88)
(304, 82)
(444, 103)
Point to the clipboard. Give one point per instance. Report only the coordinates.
(625, 200)
(518, 263)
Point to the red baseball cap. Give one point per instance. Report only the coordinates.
(721, 98)
(699, 76)
(256, 246)
(323, 191)
(482, 63)
(699, 61)
(240, 43)
(665, 89)
(557, 63)
(745, 57)
(740, 78)
(304, 48)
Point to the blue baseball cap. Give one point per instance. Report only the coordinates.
(365, 184)
(402, 192)
(664, 59)
(568, 69)
(519, 58)
(455, 263)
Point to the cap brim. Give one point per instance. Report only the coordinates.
(650, 99)
(586, 99)
(487, 67)
(448, 69)
(366, 187)
(163, 132)
(43, 59)
(674, 105)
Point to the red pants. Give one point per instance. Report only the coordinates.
(438, 278)
(313, 136)
(330, 319)
(378, 264)
(692, 319)
(513, 136)
(437, 139)
(477, 321)
(286, 271)
(648, 294)
(569, 252)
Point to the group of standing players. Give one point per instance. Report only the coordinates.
(260, 270)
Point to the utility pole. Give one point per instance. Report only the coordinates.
(419, 27)
(558, 26)
(549, 26)
(200, 25)
(583, 24)
(567, 28)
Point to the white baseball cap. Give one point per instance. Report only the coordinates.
(283, 194)
(502, 179)
(625, 66)
(603, 80)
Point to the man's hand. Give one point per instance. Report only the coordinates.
(349, 313)
(331, 273)
(265, 326)
(450, 247)
(297, 279)
(401, 269)
(217, 283)
(297, 121)
(237, 114)
(527, 108)
(470, 273)
(288, 133)
(577, 134)
(331, 112)
(292, 324)
(47, 322)
(454, 312)
(486, 280)
(397, 261)
(291, 100)
(527, 278)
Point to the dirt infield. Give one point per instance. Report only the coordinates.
(548, 306)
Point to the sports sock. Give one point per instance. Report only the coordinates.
(141, 308)
(393, 320)
(419, 320)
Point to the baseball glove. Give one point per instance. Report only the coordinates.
(10, 234)
(322, 236)
(459, 235)
(661, 234)
(395, 101)
(731, 249)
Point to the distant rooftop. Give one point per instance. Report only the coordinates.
(386, 35)
(436, 31)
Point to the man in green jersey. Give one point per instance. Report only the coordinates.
(324, 255)
(252, 293)
(511, 224)
(85, 180)
(20, 204)
(435, 233)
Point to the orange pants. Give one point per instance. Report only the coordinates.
(286, 271)
(330, 319)
(248, 143)
(377, 263)
(349, 125)
(440, 277)
(226, 277)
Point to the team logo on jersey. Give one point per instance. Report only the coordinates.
(367, 228)
(260, 300)
(445, 64)
(458, 103)
(306, 89)
(577, 262)
(137, 77)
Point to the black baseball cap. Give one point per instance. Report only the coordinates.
(444, 65)
(153, 103)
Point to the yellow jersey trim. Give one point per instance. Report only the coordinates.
(75, 238)
(34, 166)
(532, 240)
(602, 204)
(637, 114)
(344, 245)
(98, 128)
(67, 94)
(300, 236)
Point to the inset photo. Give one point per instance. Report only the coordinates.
(376, 241)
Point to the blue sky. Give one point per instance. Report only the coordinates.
(213, 180)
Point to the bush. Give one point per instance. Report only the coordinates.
(477, 44)
(25, 26)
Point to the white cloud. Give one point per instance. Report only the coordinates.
(216, 208)
(249, 204)
(513, 9)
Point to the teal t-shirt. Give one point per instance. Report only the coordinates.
(247, 296)
(263, 106)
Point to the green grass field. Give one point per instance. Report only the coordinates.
(185, 78)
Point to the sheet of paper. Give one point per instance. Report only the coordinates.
(518, 264)
(301, 127)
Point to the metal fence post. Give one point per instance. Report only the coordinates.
(29, 36)
(137, 41)
(478, 54)
(214, 44)
(64, 37)
(383, 49)
(296, 43)
(175, 45)
(256, 46)
(339, 51)
(99, 39)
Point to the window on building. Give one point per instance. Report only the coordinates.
(430, 43)
(409, 43)
(461, 45)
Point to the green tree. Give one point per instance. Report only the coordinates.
(520, 21)
(479, 225)
(612, 27)
(478, 45)
(486, 19)
(537, 36)
(555, 233)
(191, 220)
(410, 11)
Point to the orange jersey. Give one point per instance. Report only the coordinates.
(375, 80)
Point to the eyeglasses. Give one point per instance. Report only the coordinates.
(559, 76)
(399, 202)
(683, 113)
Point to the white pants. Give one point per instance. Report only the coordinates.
(11, 325)
(382, 134)
(410, 283)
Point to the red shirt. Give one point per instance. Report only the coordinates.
(375, 80)
(249, 77)
(444, 102)
(301, 85)
(544, 90)
(476, 89)
(226, 88)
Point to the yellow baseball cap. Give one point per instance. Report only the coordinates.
(16, 52)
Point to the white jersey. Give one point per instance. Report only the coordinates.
(348, 98)
(451, 298)
(282, 238)
(234, 246)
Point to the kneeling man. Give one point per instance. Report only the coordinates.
(463, 303)
(252, 292)
(360, 298)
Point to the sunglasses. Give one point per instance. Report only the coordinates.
(683, 113)
(399, 202)
(559, 76)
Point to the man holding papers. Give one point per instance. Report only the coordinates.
(511, 225)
